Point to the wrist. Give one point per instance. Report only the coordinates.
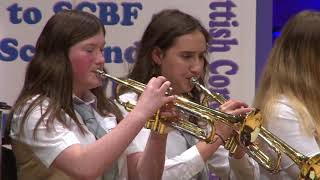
(220, 138)
(158, 135)
(138, 116)
(239, 153)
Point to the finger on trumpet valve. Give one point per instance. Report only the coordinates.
(169, 91)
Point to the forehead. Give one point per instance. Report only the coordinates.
(98, 40)
(194, 41)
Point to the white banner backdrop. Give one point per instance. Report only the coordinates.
(231, 24)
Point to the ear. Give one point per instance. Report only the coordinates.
(157, 55)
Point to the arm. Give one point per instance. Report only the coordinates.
(150, 163)
(244, 168)
(240, 165)
(77, 155)
(90, 161)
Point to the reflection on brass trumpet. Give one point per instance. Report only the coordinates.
(309, 166)
(203, 113)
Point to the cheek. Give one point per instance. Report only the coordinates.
(202, 70)
(168, 71)
(80, 65)
(173, 74)
(175, 71)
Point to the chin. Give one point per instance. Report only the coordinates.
(189, 88)
(186, 90)
(96, 84)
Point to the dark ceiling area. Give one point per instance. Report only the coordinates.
(284, 9)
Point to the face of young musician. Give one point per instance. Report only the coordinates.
(86, 57)
(185, 59)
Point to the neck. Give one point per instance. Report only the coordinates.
(80, 94)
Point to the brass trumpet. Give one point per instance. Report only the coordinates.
(201, 112)
(309, 166)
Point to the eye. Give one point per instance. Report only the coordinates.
(201, 56)
(186, 55)
(89, 50)
(102, 50)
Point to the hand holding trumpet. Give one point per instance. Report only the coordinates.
(234, 107)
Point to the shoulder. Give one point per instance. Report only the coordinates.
(30, 113)
(282, 102)
(33, 105)
(128, 96)
(282, 108)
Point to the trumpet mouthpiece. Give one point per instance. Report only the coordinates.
(194, 80)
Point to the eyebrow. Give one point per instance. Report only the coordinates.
(93, 44)
(192, 52)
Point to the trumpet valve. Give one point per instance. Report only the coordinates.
(231, 145)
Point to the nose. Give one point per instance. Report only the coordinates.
(100, 58)
(196, 66)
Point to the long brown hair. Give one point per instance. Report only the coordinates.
(49, 75)
(162, 31)
(293, 70)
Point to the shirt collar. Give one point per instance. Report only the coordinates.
(89, 99)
